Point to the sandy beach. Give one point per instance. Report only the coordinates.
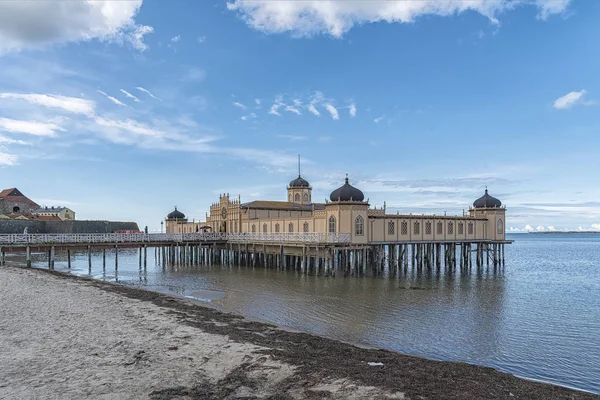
(66, 337)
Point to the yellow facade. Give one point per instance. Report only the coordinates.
(346, 212)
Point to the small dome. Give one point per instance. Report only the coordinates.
(176, 214)
(347, 193)
(487, 201)
(299, 182)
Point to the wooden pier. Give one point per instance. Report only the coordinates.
(315, 253)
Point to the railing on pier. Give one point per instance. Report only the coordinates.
(133, 238)
(307, 237)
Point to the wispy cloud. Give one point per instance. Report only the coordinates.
(258, 103)
(292, 109)
(379, 119)
(201, 39)
(141, 89)
(240, 105)
(8, 159)
(293, 138)
(29, 127)
(73, 105)
(249, 116)
(571, 99)
(313, 110)
(175, 39)
(113, 99)
(7, 140)
(126, 93)
(333, 111)
(352, 110)
(194, 75)
(274, 110)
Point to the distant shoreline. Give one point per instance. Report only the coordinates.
(569, 232)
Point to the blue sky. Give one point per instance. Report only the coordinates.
(122, 110)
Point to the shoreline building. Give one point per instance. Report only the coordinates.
(346, 212)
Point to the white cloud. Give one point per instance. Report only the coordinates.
(352, 110)
(293, 109)
(379, 119)
(274, 110)
(528, 228)
(596, 227)
(258, 103)
(8, 159)
(176, 39)
(313, 109)
(113, 99)
(126, 93)
(333, 111)
(141, 89)
(70, 104)
(247, 117)
(29, 127)
(7, 140)
(35, 24)
(201, 39)
(240, 105)
(570, 99)
(540, 228)
(336, 17)
(551, 228)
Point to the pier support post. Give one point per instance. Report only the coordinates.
(69, 258)
(89, 259)
(28, 250)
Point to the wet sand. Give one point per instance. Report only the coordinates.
(69, 337)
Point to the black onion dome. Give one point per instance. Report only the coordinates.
(176, 214)
(487, 201)
(347, 193)
(299, 182)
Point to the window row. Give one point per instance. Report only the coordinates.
(359, 225)
(297, 197)
(428, 228)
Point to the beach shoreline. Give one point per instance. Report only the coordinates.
(136, 343)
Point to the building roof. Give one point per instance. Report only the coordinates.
(299, 182)
(176, 214)
(487, 201)
(48, 218)
(14, 194)
(281, 205)
(347, 192)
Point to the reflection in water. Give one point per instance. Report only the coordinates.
(538, 317)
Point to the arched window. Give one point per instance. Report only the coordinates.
(291, 227)
(450, 228)
(290, 197)
(440, 228)
(417, 228)
(359, 226)
(297, 197)
(428, 228)
(460, 228)
(16, 209)
(253, 228)
(332, 224)
(391, 228)
(277, 228)
(404, 228)
(264, 228)
(470, 228)
(500, 227)
(305, 227)
(306, 197)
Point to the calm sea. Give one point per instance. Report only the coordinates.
(538, 318)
